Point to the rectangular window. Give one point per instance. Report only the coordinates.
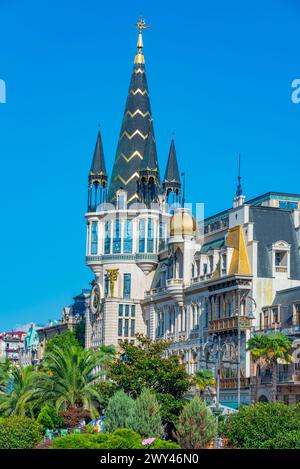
(117, 237)
(126, 328)
(127, 286)
(120, 310)
(288, 205)
(128, 236)
(127, 311)
(142, 235)
(150, 236)
(162, 236)
(106, 285)
(132, 327)
(120, 327)
(133, 311)
(94, 238)
(107, 238)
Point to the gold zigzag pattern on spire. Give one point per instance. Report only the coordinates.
(139, 70)
(136, 132)
(136, 174)
(129, 158)
(138, 111)
(138, 90)
(134, 196)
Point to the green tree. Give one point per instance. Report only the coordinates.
(146, 365)
(18, 392)
(5, 366)
(196, 425)
(204, 379)
(120, 412)
(147, 421)
(64, 340)
(69, 376)
(49, 418)
(263, 425)
(80, 333)
(268, 349)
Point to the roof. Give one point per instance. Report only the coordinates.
(216, 244)
(287, 298)
(272, 225)
(172, 171)
(137, 121)
(98, 164)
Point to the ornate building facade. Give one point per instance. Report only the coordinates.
(159, 271)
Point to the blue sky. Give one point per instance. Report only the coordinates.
(220, 77)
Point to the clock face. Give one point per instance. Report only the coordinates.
(95, 299)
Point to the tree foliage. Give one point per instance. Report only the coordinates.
(119, 412)
(196, 425)
(18, 392)
(204, 379)
(262, 425)
(146, 365)
(147, 419)
(64, 340)
(49, 418)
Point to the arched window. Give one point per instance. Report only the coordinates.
(94, 238)
(107, 238)
(128, 236)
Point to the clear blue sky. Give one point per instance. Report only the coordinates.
(219, 75)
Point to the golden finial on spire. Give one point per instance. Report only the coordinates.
(139, 58)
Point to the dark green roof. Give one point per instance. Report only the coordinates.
(98, 163)
(172, 171)
(137, 121)
(216, 244)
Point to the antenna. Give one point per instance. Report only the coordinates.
(183, 190)
(239, 190)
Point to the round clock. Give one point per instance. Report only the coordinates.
(95, 299)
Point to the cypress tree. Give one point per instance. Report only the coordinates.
(119, 412)
(147, 422)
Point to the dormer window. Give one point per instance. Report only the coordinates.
(281, 259)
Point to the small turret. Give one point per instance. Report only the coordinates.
(149, 184)
(97, 177)
(171, 182)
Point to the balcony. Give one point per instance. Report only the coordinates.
(232, 383)
(289, 378)
(175, 288)
(225, 324)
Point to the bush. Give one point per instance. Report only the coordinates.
(48, 417)
(162, 444)
(73, 416)
(196, 425)
(147, 421)
(262, 426)
(19, 433)
(120, 439)
(119, 413)
(288, 440)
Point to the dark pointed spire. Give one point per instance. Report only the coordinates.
(98, 172)
(137, 121)
(239, 189)
(171, 180)
(150, 162)
(149, 182)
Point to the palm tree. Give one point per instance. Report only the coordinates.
(69, 376)
(268, 349)
(17, 391)
(4, 369)
(204, 379)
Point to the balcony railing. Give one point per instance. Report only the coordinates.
(232, 383)
(281, 268)
(224, 324)
(174, 281)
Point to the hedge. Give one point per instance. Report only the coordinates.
(19, 433)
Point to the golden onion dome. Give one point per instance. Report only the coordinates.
(182, 223)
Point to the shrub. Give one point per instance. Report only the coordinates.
(74, 415)
(196, 425)
(120, 439)
(262, 425)
(147, 421)
(162, 444)
(48, 417)
(19, 433)
(120, 412)
(288, 440)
